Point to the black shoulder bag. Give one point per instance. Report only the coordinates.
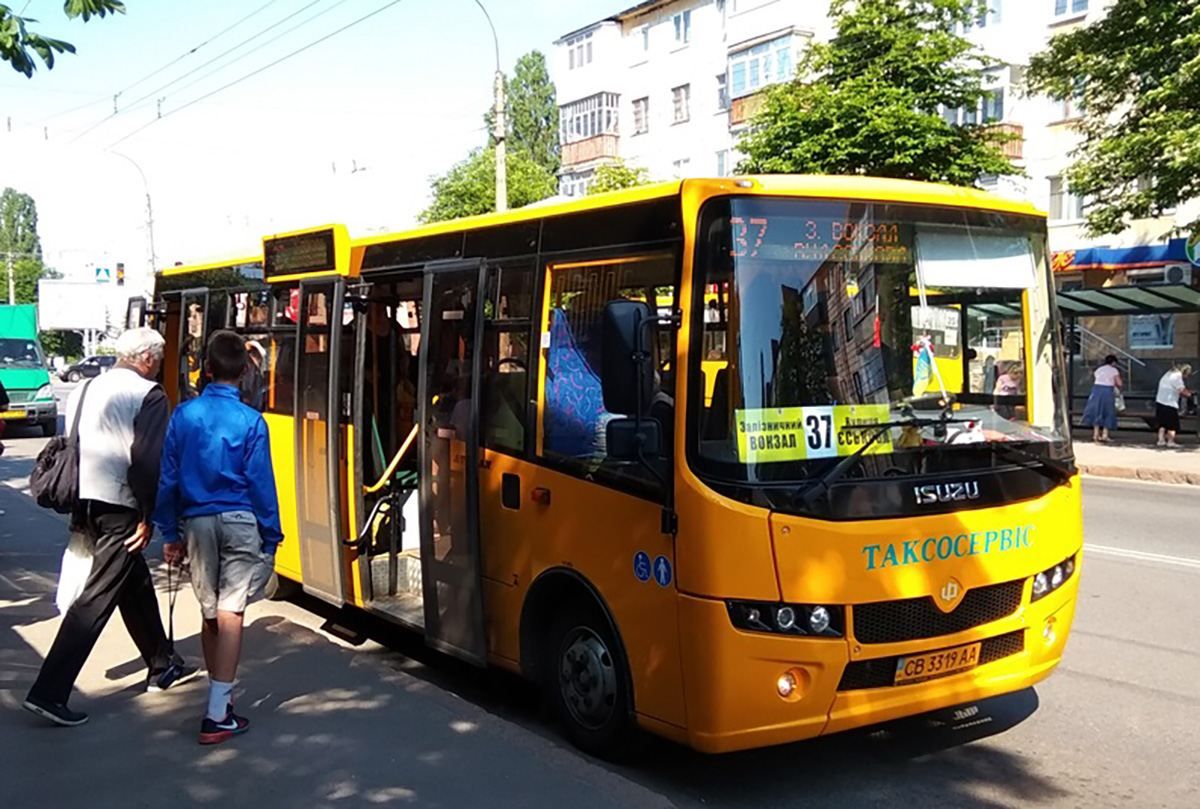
(54, 482)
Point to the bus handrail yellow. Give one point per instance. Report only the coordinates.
(391, 470)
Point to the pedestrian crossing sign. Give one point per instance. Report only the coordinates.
(103, 275)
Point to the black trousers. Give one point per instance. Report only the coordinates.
(118, 579)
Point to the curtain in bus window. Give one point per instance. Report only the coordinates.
(575, 415)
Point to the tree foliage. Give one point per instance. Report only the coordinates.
(869, 100)
(531, 110)
(1138, 73)
(617, 175)
(19, 45)
(469, 187)
(18, 225)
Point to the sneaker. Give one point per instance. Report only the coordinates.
(212, 732)
(173, 675)
(56, 712)
(1161, 443)
(1172, 445)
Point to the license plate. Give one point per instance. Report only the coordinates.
(8, 415)
(929, 665)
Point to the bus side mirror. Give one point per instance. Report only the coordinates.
(623, 442)
(623, 360)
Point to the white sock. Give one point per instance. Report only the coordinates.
(218, 700)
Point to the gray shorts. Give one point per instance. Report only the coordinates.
(229, 569)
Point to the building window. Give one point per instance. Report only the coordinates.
(681, 99)
(993, 105)
(641, 116)
(754, 68)
(723, 163)
(722, 92)
(1065, 7)
(987, 12)
(680, 167)
(1151, 331)
(1071, 107)
(683, 27)
(579, 50)
(645, 37)
(589, 117)
(1064, 205)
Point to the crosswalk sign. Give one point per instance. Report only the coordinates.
(103, 275)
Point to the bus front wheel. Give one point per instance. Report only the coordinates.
(586, 680)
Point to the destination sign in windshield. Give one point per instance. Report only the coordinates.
(791, 238)
(302, 253)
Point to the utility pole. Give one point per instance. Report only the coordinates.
(12, 279)
(149, 209)
(499, 128)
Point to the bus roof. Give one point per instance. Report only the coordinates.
(185, 269)
(880, 189)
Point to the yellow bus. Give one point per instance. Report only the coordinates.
(668, 453)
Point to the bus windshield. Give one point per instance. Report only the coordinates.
(824, 320)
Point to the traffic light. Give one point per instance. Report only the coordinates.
(120, 274)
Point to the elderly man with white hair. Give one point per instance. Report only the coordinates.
(122, 423)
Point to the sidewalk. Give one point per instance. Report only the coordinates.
(1133, 455)
(335, 725)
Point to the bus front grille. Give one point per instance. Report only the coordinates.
(881, 672)
(920, 618)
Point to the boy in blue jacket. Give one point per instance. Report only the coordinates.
(217, 494)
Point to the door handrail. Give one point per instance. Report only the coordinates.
(391, 469)
(1089, 333)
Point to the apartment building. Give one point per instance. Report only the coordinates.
(667, 84)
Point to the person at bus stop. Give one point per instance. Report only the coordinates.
(252, 386)
(1171, 388)
(1100, 412)
(217, 506)
(121, 427)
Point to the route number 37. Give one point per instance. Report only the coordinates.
(747, 238)
(819, 431)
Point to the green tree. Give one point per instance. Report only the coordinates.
(1136, 75)
(469, 187)
(19, 45)
(531, 109)
(617, 175)
(18, 226)
(869, 100)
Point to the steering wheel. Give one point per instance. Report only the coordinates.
(517, 361)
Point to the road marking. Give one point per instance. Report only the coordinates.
(1144, 556)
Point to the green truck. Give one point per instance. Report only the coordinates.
(23, 371)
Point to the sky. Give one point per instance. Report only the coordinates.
(398, 97)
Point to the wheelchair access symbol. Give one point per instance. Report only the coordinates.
(641, 566)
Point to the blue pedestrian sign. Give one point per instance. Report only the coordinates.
(641, 566)
(662, 571)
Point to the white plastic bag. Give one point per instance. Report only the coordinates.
(76, 567)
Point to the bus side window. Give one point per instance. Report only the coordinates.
(573, 420)
(508, 319)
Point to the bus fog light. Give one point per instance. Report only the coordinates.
(785, 618)
(786, 684)
(1048, 634)
(818, 620)
(1041, 585)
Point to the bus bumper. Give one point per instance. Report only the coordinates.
(731, 677)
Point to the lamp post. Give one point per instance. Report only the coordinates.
(149, 208)
(499, 129)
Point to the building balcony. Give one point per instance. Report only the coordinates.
(743, 109)
(1010, 140)
(588, 150)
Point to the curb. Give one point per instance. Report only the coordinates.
(1176, 476)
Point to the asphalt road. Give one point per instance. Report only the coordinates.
(1115, 726)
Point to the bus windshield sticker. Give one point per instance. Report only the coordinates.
(775, 434)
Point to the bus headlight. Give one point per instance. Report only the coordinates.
(1052, 578)
(810, 620)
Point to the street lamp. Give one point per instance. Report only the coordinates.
(149, 208)
(498, 126)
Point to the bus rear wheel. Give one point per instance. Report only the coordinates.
(586, 680)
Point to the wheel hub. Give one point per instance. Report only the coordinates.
(587, 678)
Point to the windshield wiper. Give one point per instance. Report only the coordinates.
(1052, 468)
(821, 485)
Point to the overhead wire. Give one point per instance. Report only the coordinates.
(176, 60)
(256, 71)
(177, 79)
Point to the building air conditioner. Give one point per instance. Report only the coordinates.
(1177, 274)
